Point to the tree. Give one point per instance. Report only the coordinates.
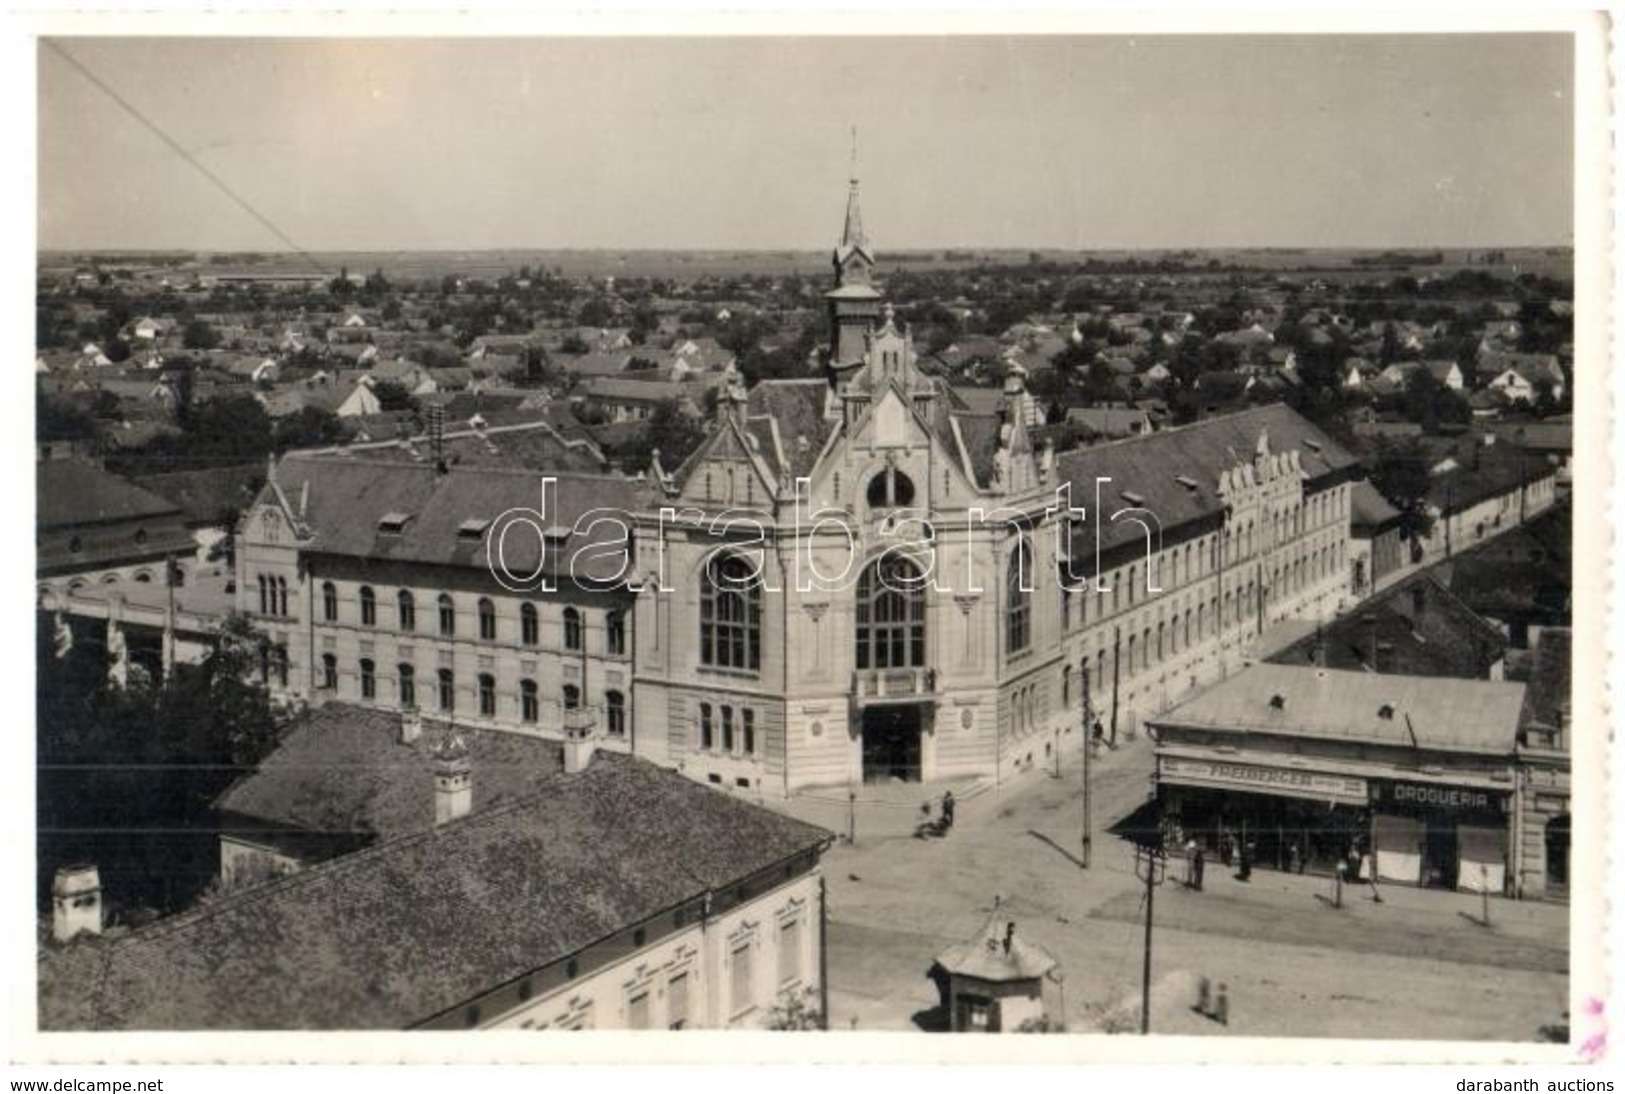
(393, 396)
(1401, 472)
(309, 427)
(796, 1011)
(199, 335)
(128, 775)
(671, 430)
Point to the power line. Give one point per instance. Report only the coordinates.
(176, 147)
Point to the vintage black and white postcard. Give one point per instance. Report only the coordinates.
(1091, 527)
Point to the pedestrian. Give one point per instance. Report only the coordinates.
(1190, 863)
(1246, 873)
(1198, 864)
(948, 810)
(1294, 859)
(1225, 848)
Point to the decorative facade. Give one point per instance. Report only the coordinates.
(854, 577)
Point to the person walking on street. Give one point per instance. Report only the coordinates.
(1246, 871)
(948, 810)
(1190, 863)
(1196, 868)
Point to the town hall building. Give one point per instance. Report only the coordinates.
(854, 577)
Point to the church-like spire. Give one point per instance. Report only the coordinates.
(852, 237)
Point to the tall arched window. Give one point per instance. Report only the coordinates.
(572, 697)
(330, 602)
(891, 615)
(530, 630)
(448, 615)
(529, 704)
(369, 607)
(615, 633)
(369, 679)
(488, 619)
(615, 713)
(408, 609)
(448, 691)
(406, 678)
(1018, 626)
(330, 671)
(265, 599)
(488, 695)
(572, 629)
(730, 615)
(281, 584)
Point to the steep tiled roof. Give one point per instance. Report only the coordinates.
(204, 495)
(407, 929)
(1417, 628)
(1550, 680)
(71, 492)
(1369, 510)
(798, 408)
(348, 495)
(342, 771)
(1150, 467)
(1445, 714)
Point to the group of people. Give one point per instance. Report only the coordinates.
(941, 826)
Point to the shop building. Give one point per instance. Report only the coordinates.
(1407, 779)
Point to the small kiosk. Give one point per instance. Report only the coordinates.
(997, 982)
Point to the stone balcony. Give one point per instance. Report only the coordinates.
(893, 685)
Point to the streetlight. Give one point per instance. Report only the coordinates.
(1151, 867)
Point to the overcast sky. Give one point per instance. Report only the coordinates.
(744, 143)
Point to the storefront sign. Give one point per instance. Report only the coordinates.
(1450, 799)
(1261, 779)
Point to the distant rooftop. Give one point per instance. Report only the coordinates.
(1445, 714)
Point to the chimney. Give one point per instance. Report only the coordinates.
(76, 902)
(453, 781)
(579, 740)
(411, 726)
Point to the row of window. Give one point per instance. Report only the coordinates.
(530, 629)
(485, 690)
(719, 727)
(273, 595)
(1315, 564)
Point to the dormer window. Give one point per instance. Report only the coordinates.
(1386, 712)
(393, 524)
(891, 489)
(472, 529)
(1132, 498)
(1187, 482)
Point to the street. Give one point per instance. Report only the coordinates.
(1418, 965)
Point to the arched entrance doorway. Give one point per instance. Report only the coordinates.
(890, 660)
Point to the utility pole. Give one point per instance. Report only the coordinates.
(823, 955)
(1088, 748)
(1117, 672)
(1150, 864)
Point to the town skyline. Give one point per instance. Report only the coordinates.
(1049, 142)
